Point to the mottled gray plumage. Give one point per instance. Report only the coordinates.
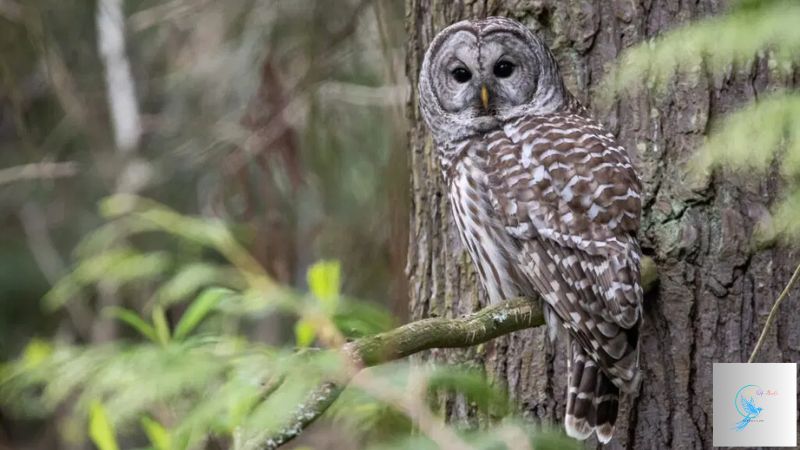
(545, 200)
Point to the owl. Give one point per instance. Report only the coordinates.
(547, 203)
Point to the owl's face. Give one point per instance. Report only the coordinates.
(477, 74)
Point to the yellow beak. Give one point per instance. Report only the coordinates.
(485, 97)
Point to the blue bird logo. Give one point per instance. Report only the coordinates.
(745, 406)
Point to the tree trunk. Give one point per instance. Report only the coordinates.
(715, 288)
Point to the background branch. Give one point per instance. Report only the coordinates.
(40, 170)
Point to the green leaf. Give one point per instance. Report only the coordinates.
(118, 265)
(36, 352)
(160, 322)
(199, 309)
(190, 279)
(356, 319)
(118, 205)
(108, 236)
(158, 435)
(121, 265)
(304, 333)
(134, 321)
(100, 428)
(182, 440)
(64, 289)
(324, 282)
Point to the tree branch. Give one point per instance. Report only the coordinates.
(484, 325)
(473, 329)
(773, 313)
(40, 170)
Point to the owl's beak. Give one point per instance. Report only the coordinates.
(485, 97)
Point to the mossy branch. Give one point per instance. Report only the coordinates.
(425, 334)
(473, 329)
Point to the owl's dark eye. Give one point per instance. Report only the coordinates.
(503, 69)
(461, 75)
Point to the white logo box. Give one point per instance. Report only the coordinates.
(755, 405)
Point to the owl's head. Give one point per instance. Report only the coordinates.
(479, 73)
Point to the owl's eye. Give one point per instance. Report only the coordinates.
(503, 69)
(461, 75)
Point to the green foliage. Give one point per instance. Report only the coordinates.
(179, 382)
(100, 429)
(119, 265)
(749, 141)
(202, 306)
(718, 44)
(132, 319)
(760, 133)
(324, 282)
(159, 437)
(36, 352)
(249, 119)
(785, 221)
(192, 278)
(304, 333)
(750, 138)
(212, 385)
(356, 318)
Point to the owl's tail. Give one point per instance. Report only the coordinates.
(592, 399)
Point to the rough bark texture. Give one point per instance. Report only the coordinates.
(715, 288)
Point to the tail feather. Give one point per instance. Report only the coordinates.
(606, 403)
(592, 399)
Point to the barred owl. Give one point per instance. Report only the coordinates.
(546, 202)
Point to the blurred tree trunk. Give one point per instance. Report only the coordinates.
(715, 287)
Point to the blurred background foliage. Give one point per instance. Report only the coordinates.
(201, 379)
(276, 117)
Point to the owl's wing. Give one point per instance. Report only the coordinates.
(570, 195)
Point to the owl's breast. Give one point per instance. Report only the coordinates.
(492, 249)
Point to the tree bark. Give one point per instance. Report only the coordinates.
(716, 288)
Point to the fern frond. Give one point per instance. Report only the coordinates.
(731, 39)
